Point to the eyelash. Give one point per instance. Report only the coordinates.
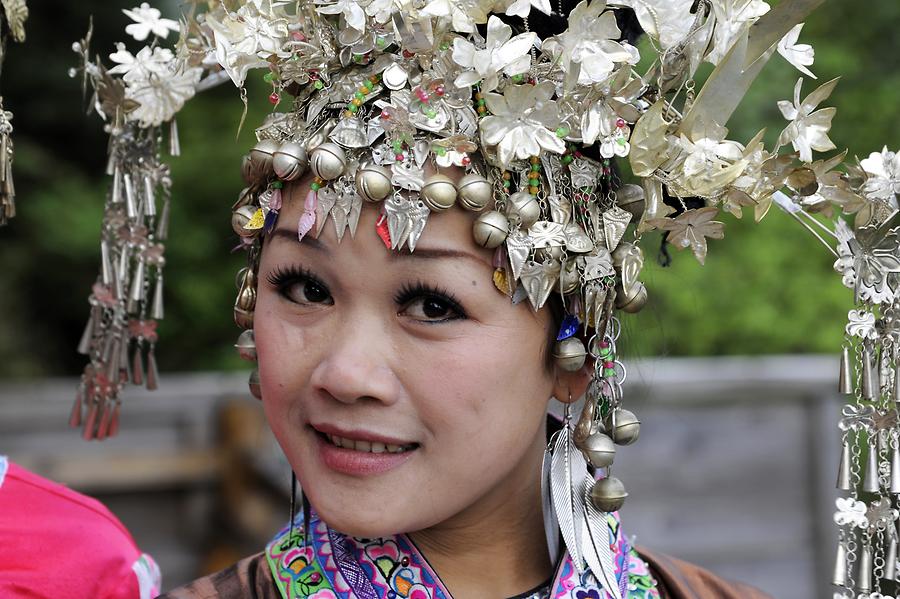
(283, 276)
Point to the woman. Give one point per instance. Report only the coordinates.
(437, 246)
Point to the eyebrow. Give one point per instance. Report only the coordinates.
(420, 253)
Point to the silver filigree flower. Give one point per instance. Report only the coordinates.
(501, 54)
(808, 129)
(883, 181)
(148, 20)
(522, 121)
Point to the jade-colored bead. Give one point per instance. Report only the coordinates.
(359, 96)
(353, 108)
(315, 186)
(277, 184)
(318, 85)
(269, 77)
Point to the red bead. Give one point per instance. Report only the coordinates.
(422, 94)
(399, 157)
(407, 54)
(439, 90)
(609, 364)
(298, 36)
(466, 161)
(274, 98)
(385, 114)
(620, 122)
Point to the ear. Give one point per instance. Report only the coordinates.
(570, 386)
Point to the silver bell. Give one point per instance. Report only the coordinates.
(261, 157)
(439, 192)
(490, 229)
(474, 192)
(633, 299)
(328, 161)
(241, 217)
(524, 207)
(253, 383)
(289, 161)
(599, 450)
(624, 427)
(246, 346)
(373, 182)
(631, 198)
(608, 494)
(569, 354)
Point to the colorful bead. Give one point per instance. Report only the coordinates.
(269, 77)
(318, 84)
(562, 131)
(274, 98)
(277, 185)
(533, 190)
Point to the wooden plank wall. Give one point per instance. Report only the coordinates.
(733, 470)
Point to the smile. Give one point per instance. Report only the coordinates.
(368, 446)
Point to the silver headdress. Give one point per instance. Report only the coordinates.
(381, 95)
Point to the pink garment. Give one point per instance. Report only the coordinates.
(55, 543)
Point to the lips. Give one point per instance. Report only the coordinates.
(368, 446)
(360, 453)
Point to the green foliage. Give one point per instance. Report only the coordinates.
(766, 288)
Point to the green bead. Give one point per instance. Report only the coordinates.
(506, 184)
(397, 146)
(440, 151)
(566, 159)
(535, 167)
(431, 113)
(534, 182)
(562, 131)
(481, 102)
(315, 186)
(380, 42)
(269, 77)
(352, 108)
(318, 84)
(621, 141)
(359, 96)
(277, 184)
(517, 78)
(609, 372)
(444, 46)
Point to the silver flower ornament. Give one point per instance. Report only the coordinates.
(502, 54)
(883, 176)
(522, 121)
(808, 129)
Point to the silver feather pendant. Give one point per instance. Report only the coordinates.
(551, 527)
(567, 472)
(596, 549)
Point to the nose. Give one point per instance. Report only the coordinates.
(356, 363)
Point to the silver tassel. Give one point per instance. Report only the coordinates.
(868, 390)
(130, 203)
(174, 143)
(890, 564)
(137, 284)
(845, 380)
(162, 224)
(895, 470)
(843, 480)
(870, 481)
(864, 580)
(116, 185)
(596, 548)
(840, 566)
(84, 345)
(897, 385)
(156, 311)
(152, 372)
(149, 197)
(122, 271)
(105, 267)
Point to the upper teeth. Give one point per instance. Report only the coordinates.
(368, 446)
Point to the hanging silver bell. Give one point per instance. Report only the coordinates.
(845, 380)
(890, 562)
(490, 229)
(474, 192)
(261, 157)
(870, 480)
(328, 161)
(438, 192)
(241, 217)
(608, 494)
(289, 161)
(633, 299)
(246, 346)
(895, 470)
(599, 450)
(843, 480)
(868, 376)
(253, 383)
(839, 578)
(569, 354)
(864, 580)
(373, 182)
(524, 207)
(623, 426)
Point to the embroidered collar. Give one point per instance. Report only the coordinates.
(330, 565)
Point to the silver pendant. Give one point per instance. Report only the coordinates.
(567, 474)
(327, 198)
(843, 480)
(518, 246)
(839, 578)
(406, 221)
(870, 480)
(539, 279)
(615, 221)
(864, 580)
(845, 380)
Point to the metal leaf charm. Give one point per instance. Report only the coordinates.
(518, 246)
(595, 541)
(546, 234)
(615, 221)
(598, 264)
(594, 298)
(327, 199)
(350, 133)
(649, 147)
(551, 530)
(538, 280)
(560, 209)
(406, 221)
(577, 241)
(567, 473)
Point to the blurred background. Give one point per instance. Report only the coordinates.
(731, 364)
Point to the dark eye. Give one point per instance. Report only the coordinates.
(425, 304)
(300, 287)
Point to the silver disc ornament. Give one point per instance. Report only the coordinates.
(524, 207)
(261, 157)
(289, 161)
(608, 494)
(474, 192)
(569, 354)
(490, 229)
(623, 426)
(373, 182)
(439, 193)
(328, 161)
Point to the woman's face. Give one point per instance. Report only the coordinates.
(403, 387)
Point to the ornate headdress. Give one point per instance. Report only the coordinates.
(13, 14)
(379, 95)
